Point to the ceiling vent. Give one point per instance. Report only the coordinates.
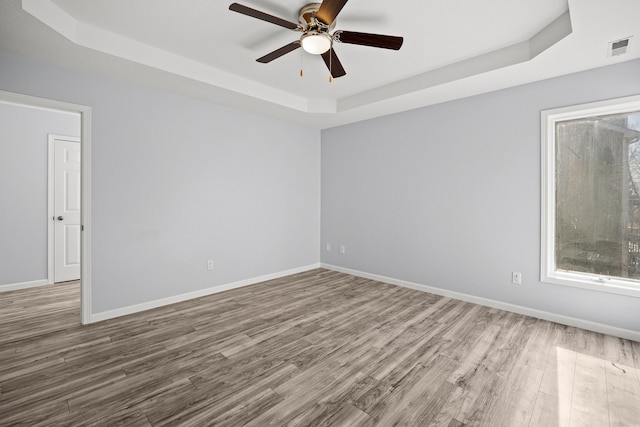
(619, 47)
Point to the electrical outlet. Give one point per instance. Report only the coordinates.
(343, 249)
(516, 278)
(327, 247)
(210, 264)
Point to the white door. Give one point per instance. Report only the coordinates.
(66, 209)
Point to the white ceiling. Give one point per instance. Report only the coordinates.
(452, 49)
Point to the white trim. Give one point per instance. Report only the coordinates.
(48, 107)
(50, 199)
(539, 314)
(23, 285)
(85, 182)
(85, 120)
(131, 309)
(50, 202)
(548, 273)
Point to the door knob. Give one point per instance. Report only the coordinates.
(60, 218)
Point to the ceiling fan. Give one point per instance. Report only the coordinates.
(316, 21)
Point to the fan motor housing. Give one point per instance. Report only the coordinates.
(307, 18)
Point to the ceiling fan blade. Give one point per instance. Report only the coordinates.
(329, 9)
(368, 39)
(279, 52)
(262, 16)
(333, 63)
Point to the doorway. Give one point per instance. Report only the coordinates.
(80, 232)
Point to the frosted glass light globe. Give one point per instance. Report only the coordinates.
(316, 43)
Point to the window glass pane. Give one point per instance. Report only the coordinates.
(597, 195)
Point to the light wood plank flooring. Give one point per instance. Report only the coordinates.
(316, 348)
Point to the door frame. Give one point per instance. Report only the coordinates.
(51, 252)
(85, 184)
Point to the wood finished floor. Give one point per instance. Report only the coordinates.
(316, 348)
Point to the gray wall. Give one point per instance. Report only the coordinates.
(449, 196)
(23, 188)
(178, 181)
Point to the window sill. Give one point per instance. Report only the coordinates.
(594, 283)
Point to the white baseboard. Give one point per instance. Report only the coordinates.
(544, 315)
(23, 285)
(131, 309)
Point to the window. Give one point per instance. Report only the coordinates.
(591, 196)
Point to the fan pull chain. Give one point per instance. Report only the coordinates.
(301, 72)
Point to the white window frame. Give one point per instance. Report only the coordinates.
(548, 273)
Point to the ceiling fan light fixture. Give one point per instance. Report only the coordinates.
(316, 22)
(316, 43)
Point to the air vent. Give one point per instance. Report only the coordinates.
(619, 47)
